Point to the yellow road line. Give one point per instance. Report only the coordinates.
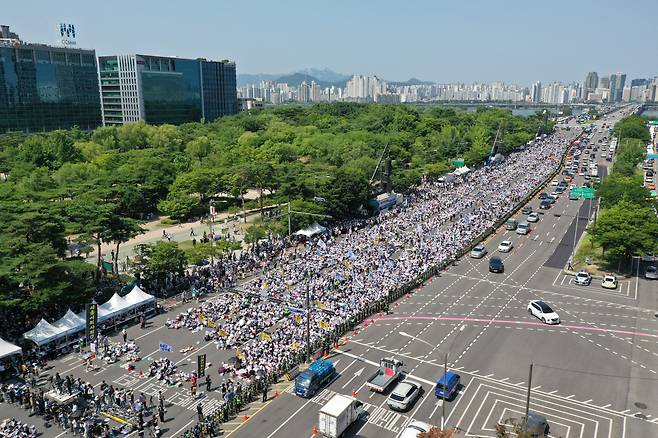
(254, 414)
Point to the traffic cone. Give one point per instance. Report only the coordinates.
(276, 394)
(141, 373)
(245, 417)
(315, 431)
(353, 393)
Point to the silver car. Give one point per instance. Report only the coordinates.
(478, 251)
(651, 273)
(404, 395)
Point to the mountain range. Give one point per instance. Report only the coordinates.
(324, 77)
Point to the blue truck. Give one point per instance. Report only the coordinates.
(308, 382)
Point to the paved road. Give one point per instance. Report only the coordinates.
(594, 374)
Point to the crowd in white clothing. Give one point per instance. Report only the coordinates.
(360, 262)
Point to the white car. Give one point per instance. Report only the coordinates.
(543, 311)
(609, 282)
(403, 396)
(414, 429)
(583, 278)
(533, 217)
(478, 251)
(505, 246)
(554, 182)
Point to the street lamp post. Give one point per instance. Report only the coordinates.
(308, 320)
(445, 371)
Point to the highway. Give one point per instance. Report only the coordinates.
(594, 375)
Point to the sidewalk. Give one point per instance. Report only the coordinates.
(224, 222)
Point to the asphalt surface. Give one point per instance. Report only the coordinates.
(594, 374)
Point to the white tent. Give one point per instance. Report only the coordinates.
(116, 305)
(70, 323)
(8, 349)
(43, 333)
(311, 230)
(138, 297)
(461, 170)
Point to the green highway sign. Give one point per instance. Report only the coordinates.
(459, 162)
(582, 192)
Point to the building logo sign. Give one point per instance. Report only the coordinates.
(67, 34)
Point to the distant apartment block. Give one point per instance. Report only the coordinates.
(159, 89)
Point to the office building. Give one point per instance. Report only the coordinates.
(591, 81)
(617, 83)
(158, 89)
(604, 82)
(536, 92)
(43, 88)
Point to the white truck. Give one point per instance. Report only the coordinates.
(338, 414)
(388, 372)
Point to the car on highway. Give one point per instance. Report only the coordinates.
(545, 204)
(651, 273)
(510, 224)
(414, 429)
(478, 251)
(609, 282)
(583, 278)
(554, 182)
(505, 246)
(533, 217)
(449, 390)
(496, 265)
(543, 312)
(523, 228)
(403, 396)
(543, 195)
(526, 210)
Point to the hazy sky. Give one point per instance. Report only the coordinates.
(440, 40)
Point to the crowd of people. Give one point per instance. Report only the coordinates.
(358, 262)
(12, 428)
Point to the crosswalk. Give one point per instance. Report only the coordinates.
(377, 415)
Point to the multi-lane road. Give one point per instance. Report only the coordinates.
(594, 375)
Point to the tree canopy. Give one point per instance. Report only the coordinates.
(95, 187)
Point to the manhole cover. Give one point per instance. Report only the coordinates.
(640, 405)
(641, 416)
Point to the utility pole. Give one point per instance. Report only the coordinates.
(289, 226)
(443, 392)
(527, 401)
(308, 320)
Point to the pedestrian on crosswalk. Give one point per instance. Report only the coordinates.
(199, 411)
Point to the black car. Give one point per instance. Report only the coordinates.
(496, 265)
(526, 210)
(543, 195)
(545, 204)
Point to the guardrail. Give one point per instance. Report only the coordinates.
(247, 393)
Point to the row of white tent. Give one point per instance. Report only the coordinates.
(8, 349)
(69, 324)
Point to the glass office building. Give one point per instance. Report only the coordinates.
(43, 88)
(160, 90)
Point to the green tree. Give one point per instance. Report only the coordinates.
(120, 230)
(159, 260)
(618, 186)
(633, 127)
(179, 205)
(626, 229)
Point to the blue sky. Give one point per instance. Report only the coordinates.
(444, 41)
